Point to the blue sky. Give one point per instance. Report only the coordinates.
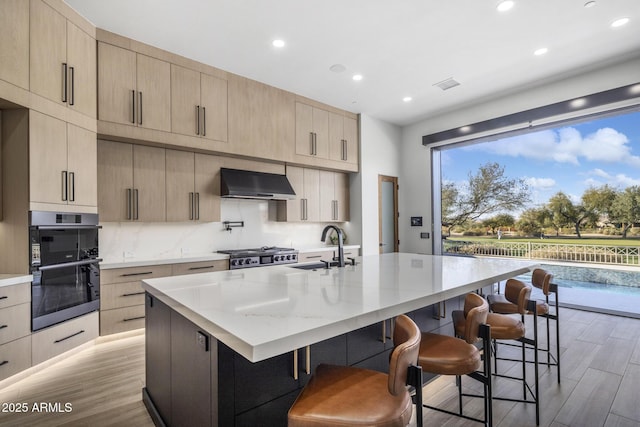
(568, 158)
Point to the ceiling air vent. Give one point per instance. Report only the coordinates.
(447, 84)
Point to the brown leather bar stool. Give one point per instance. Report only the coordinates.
(541, 279)
(346, 395)
(446, 355)
(516, 300)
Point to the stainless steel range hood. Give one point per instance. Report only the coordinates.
(236, 183)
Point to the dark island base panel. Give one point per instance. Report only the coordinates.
(193, 379)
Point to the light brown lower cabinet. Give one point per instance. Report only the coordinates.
(122, 297)
(15, 356)
(57, 339)
(15, 333)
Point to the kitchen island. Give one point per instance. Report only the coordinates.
(236, 347)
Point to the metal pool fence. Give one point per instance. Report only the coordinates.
(599, 254)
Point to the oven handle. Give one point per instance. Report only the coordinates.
(69, 264)
(66, 226)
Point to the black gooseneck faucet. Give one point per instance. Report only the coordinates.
(340, 242)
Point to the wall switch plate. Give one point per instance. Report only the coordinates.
(127, 254)
(424, 235)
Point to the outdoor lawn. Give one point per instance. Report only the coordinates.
(585, 240)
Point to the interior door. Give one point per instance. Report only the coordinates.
(388, 213)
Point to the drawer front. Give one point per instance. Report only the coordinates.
(57, 339)
(15, 322)
(15, 294)
(121, 275)
(199, 267)
(15, 357)
(351, 253)
(121, 320)
(118, 295)
(315, 256)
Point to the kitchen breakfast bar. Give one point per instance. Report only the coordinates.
(234, 348)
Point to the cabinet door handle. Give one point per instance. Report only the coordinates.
(197, 205)
(191, 209)
(3, 297)
(4, 362)
(4, 326)
(72, 186)
(306, 209)
(72, 74)
(64, 186)
(136, 274)
(344, 149)
(314, 256)
(308, 360)
(135, 206)
(315, 144)
(311, 143)
(64, 82)
(132, 294)
(204, 121)
(295, 365)
(133, 107)
(197, 120)
(140, 109)
(129, 319)
(204, 267)
(70, 336)
(128, 203)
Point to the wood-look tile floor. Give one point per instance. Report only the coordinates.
(600, 384)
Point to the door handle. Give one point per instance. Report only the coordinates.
(64, 82)
(197, 120)
(191, 208)
(197, 205)
(133, 107)
(72, 74)
(204, 121)
(64, 186)
(135, 206)
(140, 109)
(72, 185)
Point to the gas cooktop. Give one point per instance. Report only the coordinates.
(259, 257)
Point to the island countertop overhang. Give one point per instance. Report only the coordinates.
(264, 312)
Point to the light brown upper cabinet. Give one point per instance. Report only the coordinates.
(62, 160)
(62, 59)
(133, 88)
(191, 179)
(312, 131)
(261, 119)
(14, 42)
(131, 182)
(334, 196)
(198, 104)
(306, 205)
(343, 138)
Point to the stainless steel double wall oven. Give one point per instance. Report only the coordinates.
(64, 265)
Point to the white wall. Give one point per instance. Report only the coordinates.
(379, 155)
(415, 158)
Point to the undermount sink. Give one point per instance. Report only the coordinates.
(314, 266)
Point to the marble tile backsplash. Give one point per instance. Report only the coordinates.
(130, 240)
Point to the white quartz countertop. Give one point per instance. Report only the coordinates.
(321, 248)
(14, 279)
(107, 264)
(263, 312)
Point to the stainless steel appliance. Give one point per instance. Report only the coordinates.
(64, 265)
(260, 257)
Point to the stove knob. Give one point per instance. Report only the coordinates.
(234, 262)
(249, 261)
(240, 261)
(293, 257)
(288, 256)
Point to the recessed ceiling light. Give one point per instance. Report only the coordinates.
(357, 77)
(590, 4)
(541, 51)
(278, 43)
(503, 6)
(337, 68)
(619, 22)
(465, 129)
(635, 89)
(578, 103)
(407, 99)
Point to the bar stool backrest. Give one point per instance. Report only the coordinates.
(476, 309)
(406, 338)
(541, 279)
(518, 293)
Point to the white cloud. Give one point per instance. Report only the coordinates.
(600, 173)
(619, 180)
(540, 183)
(565, 145)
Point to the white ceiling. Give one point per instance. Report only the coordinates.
(401, 47)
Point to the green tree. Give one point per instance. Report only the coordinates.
(487, 192)
(625, 210)
(599, 200)
(498, 221)
(532, 221)
(565, 212)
